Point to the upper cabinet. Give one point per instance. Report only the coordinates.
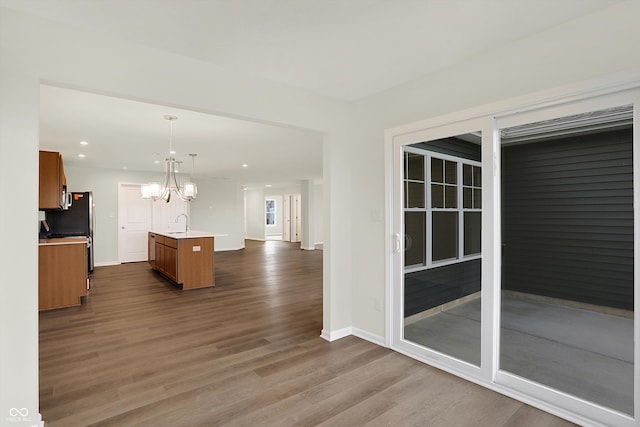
(53, 183)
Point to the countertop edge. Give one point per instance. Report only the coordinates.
(191, 234)
(63, 241)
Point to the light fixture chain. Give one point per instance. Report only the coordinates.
(170, 137)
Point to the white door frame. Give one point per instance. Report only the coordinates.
(276, 229)
(286, 218)
(296, 216)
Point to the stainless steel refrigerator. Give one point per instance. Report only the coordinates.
(78, 220)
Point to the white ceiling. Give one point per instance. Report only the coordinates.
(347, 49)
(125, 134)
(341, 48)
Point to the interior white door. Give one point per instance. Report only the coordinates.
(286, 218)
(134, 222)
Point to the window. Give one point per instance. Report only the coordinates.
(472, 205)
(443, 208)
(271, 211)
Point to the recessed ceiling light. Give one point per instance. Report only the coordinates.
(157, 162)
(172, 152)
(267, 185)
(82, 156)
(124, 167)
(84, 143)
(245, 165)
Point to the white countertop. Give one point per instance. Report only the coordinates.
(188, 234)
(64, 241)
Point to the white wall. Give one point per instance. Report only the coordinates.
(34, 50)
(318, 200)
(585, 48)
(167, 216)
(19, 253)
(306, 215)
(220, 208)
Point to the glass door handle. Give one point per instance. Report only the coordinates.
(396, 243)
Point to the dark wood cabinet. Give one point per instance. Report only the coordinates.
(52, 181)
(159, 263)
(171, 263)
(163, 255)
(152, 250)
(62, 272)
(186, 261)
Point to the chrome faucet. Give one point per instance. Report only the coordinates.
(186, 221)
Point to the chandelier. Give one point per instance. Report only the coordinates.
(156, 191)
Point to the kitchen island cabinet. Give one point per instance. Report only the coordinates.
(62, 272)
(184, 258)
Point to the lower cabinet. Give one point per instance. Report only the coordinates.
(152, 250)
(170, 255)
(62, 275)
(185, 261)
(159, 261)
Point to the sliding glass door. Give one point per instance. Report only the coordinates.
(515, 252)
(442, 184)
(567, 304)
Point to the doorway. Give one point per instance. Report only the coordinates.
(273, 218)
(291, 222)
(135, 216)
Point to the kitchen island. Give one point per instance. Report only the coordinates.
(185, 258)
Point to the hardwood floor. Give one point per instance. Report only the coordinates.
(141, 352)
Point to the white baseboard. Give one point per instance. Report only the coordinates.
(324, 334)
(106, 263)
(345, 332)
(229, 249)
(335, 335)
(368, 336)
(308, 248)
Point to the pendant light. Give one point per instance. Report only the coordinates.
(156, 191)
